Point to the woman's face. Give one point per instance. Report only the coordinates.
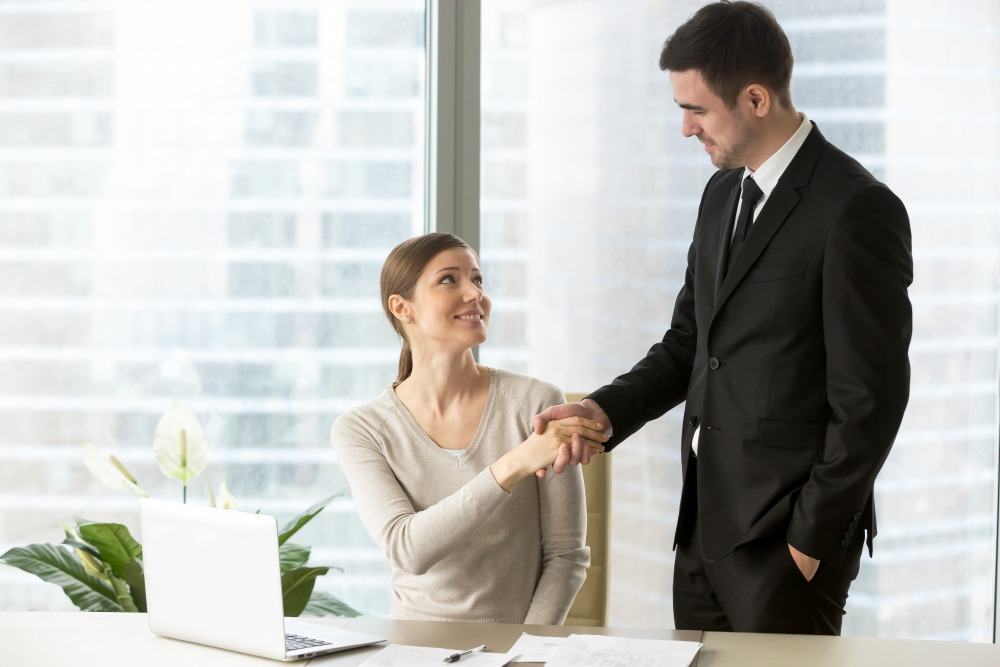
(449, 306)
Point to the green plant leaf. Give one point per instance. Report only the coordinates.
(295, 524)
(292, 556)
(323, 604)
(297, 587)
(114, 543)
(122, 594)
(82, 546)
(135, 577)
(60, 567)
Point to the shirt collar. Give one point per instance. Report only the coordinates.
(767, 175)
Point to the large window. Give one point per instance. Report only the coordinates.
(196, 198)
(589, 197)
(195, 201)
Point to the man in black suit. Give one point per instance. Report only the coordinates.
(788, 341)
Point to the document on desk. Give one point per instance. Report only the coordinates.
(396, 655)
(532, 648)
(603, 651)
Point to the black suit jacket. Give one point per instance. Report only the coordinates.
(793, 364)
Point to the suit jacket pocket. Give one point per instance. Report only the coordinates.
(792, 435)
(778, 273)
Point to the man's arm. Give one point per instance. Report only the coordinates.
(660, 380)
(868, 322)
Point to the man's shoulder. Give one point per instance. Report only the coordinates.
(834, 164)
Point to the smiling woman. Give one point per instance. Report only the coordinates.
(437, 463)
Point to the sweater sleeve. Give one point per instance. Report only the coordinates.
(412, 541)
(565, 556)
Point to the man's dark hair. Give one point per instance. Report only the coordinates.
(733, 44)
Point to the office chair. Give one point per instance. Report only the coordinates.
(590, 608)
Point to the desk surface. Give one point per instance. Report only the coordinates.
(497, 637)
(726, 649)
(36, 639)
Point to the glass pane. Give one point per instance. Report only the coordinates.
(195, 202)
(589, 198)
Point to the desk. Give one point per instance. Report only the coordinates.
(51, 639)
(497, 637)
(729, 649)
(46, 639)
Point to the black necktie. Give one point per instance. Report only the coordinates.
(751, 195)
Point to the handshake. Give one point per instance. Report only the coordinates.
(563, 435)
(582, 427)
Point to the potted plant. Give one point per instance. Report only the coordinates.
(99, 565)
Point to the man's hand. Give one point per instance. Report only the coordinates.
(807, 565)
(578, 450)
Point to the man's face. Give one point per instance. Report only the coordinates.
(726, 134)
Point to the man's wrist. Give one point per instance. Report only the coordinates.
(600, 416)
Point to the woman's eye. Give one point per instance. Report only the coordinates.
(448, 280)
(478, 280)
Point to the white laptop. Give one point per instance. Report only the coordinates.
(212, 577)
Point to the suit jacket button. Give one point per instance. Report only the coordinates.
(693, 421)
(854, 524)
(713, 363)
(857, 516)
(844, 543)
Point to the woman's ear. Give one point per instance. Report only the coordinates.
(400, 309)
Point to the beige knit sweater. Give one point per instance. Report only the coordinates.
(460, 547)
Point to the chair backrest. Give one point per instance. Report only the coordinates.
(590, 608)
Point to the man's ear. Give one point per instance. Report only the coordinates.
(399, 308)
(759, 98)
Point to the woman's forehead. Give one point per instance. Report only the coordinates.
(462, 258)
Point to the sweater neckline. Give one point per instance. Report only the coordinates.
(476, 438)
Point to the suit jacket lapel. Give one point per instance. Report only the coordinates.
(777, 209)
(726, 238)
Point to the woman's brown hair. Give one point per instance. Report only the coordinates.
(400, 272)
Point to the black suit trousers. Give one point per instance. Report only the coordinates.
(758, 587)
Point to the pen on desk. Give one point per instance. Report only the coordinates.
(455, 657)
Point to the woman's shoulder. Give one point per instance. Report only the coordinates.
(529, 392)
(363, 423)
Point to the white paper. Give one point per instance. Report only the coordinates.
(603, 651)
(395, 655)
(532, 648)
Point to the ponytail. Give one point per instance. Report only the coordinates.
(405, 362)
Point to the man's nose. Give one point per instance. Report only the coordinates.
(689, 127)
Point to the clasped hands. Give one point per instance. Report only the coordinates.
(578, 448)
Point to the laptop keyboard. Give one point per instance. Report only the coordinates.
(295, 642)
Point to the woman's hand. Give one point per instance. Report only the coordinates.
(539, 451)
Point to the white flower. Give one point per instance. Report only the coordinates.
(225, 500)
(109, 470)
(179, 444)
